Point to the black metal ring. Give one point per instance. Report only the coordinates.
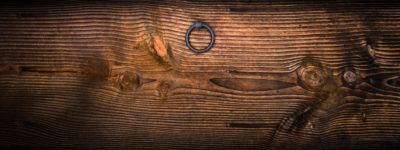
(199, 25)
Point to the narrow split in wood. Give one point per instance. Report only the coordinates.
(251, 125)
(95, 69)
(51, 70)
(10, 69)
(246, 9)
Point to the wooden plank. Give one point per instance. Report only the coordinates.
(281, 75)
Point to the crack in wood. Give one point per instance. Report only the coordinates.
(251, 125)
(33, 69)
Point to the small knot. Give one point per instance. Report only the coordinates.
(350, 77)
(163, 89)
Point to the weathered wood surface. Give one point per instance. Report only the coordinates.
(294, 75)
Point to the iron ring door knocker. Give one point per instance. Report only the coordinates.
(199, 25)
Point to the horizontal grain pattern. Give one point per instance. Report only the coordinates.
(182, 108)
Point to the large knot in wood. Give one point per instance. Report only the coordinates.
(312, 76)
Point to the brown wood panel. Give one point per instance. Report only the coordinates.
(281, 75)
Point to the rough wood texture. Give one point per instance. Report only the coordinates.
(282, 75)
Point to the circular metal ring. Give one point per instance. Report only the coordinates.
(199, 25)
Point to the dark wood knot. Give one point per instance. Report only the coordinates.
(349, 76)
(128, 81)
(163, 89)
